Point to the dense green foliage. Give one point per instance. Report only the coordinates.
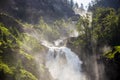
(106, 26)
(16, 51)
(30, 11)
(52, 31)
(85, 33)
(105, 31)
(112, 53)
(20, 46)
(105, 4)
(20, 42)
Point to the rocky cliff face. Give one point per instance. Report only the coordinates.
(30, 11)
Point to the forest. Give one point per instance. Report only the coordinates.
(26, 25)
(104, 33)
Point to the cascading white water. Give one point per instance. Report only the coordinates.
(63, 64)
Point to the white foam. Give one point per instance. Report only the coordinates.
(63, 64)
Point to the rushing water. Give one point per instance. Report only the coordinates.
(62, 63)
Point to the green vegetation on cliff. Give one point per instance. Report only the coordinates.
(20, 47)
(15, 53)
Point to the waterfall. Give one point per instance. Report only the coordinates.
(63, 64)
